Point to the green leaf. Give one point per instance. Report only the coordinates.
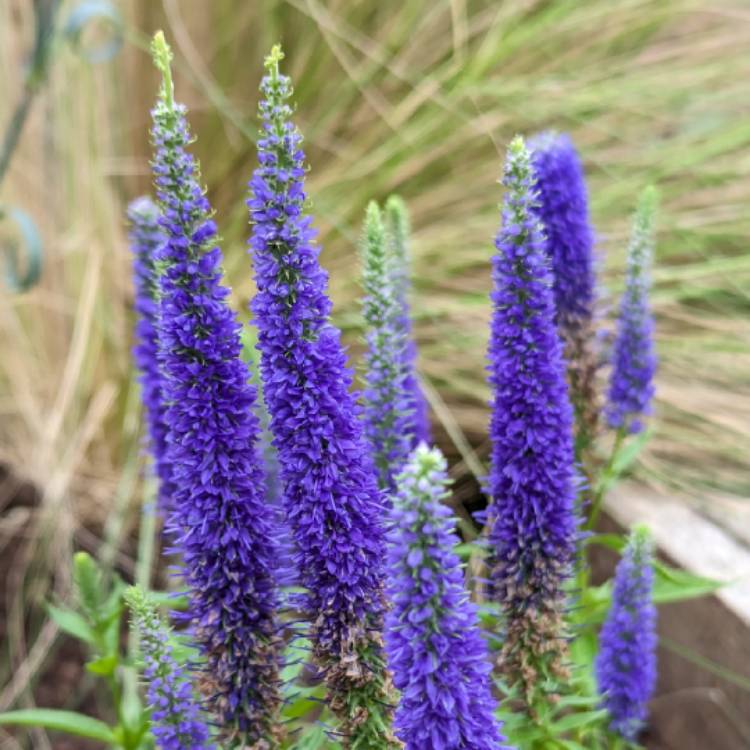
(675, 585)
(62, 721)
(87, 577)
(314, 738)
(578, 701)
(580, 719)
(110, 629)
(295, 658)
(178, 602)
(571, 745)
(104, 666)
(305, 700)
(131, 709)
(615, 542)
(623, 459)
(467, 549)
(114, 603)
(629, 452)
(593, 604)
(72, 623)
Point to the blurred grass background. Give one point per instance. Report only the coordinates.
(418, 97)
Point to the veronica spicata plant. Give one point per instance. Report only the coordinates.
(631, 389)
(218, 522)
(626, 663)
(388, 406)
(397, 228)
(562, 208)
(176, 719)
(330, 486)
(435, 647)
(532, 522)
(146, 238)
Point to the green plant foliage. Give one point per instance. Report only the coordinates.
(96, 620)
(61, 721)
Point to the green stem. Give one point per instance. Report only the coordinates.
(602, 486)
(146, 537)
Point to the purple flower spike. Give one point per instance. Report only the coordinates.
(388, 406)
(397, 224)
(219, 520)
(626, 664)
(631, 389)
(435, 647)
(533, 525)
(146, 237)
(569, 243)
(330, 486)
(176, 719)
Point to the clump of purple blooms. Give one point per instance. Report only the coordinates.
(146, 238)
(345, 474)
(177, 722)
(533, 527)
(330, 487)
(631, 389)
(562, 209)
(397, 230)
(218, 522)
(626, 664)
(388, 406)
(435, 647)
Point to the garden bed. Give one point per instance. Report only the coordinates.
(695, 706)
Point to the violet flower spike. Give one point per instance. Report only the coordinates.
(330, 488)
(397, 230)
(533, 527)
(218, 522)
(388, 408)
(569, 243)
(626, 663)
(146, 237)
(177, 722)
(631, 389)
(435, 646)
